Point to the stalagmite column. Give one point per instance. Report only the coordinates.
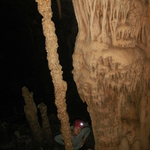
(31, 114)
(45, 123)
(111, 64)
(60, 86)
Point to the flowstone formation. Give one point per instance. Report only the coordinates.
(111, 70)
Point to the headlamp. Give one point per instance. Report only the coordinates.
(81, 124)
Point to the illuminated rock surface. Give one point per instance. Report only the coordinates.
(111, 71)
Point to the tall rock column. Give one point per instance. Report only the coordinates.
(60, 86)
(111, 69)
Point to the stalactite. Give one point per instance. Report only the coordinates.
(31, 114)
(92, 12)
(59, 8)
(105, 38)
(60, 86)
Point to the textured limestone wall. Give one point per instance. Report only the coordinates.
(111, 70)
(60, 86)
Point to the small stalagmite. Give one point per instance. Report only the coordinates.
(31, 114)
(45, 123)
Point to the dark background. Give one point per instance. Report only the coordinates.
(23, 58)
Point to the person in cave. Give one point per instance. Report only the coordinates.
(79, 133)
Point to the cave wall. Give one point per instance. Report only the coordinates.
(111, 70)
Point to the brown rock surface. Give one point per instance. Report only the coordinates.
(111, 70)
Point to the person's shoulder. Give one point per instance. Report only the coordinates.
(86, 128)
(58, 135)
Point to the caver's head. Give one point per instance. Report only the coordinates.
(77, 126)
